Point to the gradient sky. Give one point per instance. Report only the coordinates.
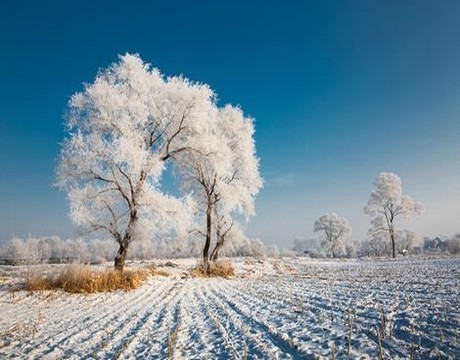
(340, 90)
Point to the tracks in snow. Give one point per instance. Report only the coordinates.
(290, 317)
(193, 319)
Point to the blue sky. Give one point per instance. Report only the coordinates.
(340, 92)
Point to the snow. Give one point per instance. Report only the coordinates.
(291, 308)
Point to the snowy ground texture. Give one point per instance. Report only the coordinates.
(272, 309)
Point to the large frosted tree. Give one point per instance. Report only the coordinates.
(122, 128)
(336, 231)
(387, 204)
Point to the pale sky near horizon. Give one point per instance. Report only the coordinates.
(340, 92)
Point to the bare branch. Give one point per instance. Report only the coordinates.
(178, 131)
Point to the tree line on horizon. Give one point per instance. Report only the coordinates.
(53, 249)
(387, 203)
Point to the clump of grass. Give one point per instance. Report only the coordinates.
(83, 279)
(154, 271)
(172, 340)
(37, 282)
(351, 318)
(199, 271)
(379, 339)
(14, 290)
(223, 269)
(333, 350)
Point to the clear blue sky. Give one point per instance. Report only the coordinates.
(341, 90)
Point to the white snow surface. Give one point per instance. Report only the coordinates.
(272, 309)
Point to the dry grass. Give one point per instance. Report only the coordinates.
(223, 269)
(83, 279)
(154, 271)
(172, 340)
(37, 282)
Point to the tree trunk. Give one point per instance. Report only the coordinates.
(393, 244)
(219, 240)
(125, 241)
(121, 256)
(215, 252)
(207, 243)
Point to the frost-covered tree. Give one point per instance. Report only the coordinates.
(376, 245)
(350, 249)
(388, 203)
(223, 175)
(242, 182)
(406, 240)
(122, 128)
(300, 245)
(272, 251)
(249, 247)
(199, 173)
(453, 244)
(16, 250)
(336, 231)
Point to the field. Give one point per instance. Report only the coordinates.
(271, 309)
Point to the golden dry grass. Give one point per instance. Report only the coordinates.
(37, 282)
(223, 269)
(83, 279)
(154, 271)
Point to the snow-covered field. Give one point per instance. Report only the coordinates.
(286, 309)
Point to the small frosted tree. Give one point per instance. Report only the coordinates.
(387, 204)
(122, 129)
(336, 231)
(223, 175)
(242, 181)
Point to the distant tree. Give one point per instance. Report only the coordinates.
(442, 244)
(54, 248)
(350, 249)
(406, 240)
(16, 250)
(376, 245)
(312, 247)
(336, 231)
(253, 247)
(453, 244)
(122, 129)
(237, 243)
(437, 244)
(101, 250)
(272, 251)
(388, 203)
(300, 245)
